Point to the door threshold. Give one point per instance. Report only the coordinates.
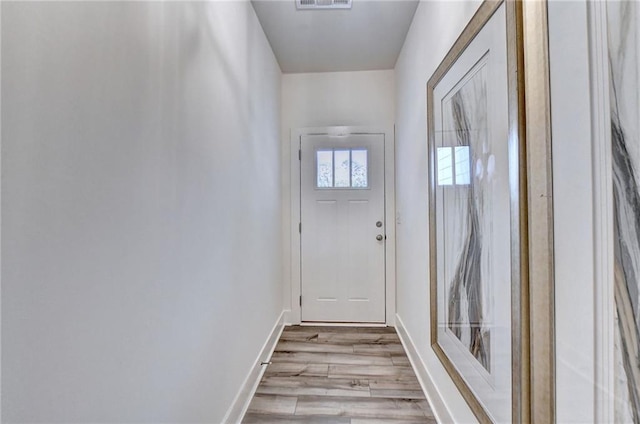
(342, 324)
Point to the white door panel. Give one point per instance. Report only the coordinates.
(343, 264)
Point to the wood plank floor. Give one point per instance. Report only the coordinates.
(350, 375)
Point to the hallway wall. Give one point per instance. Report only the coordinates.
(435, 27)
(364, 98)
(579, 328)
(141, 208)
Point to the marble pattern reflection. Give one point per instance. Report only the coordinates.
(625, 139)
(466, 241)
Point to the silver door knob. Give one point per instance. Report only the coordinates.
(379, 237)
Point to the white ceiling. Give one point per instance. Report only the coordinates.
(368, 36)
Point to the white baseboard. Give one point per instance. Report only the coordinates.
(288, 318)
(240, 404)
(434, 397)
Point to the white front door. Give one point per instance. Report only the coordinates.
(343, 228)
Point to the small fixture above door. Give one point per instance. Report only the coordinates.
(323, 4)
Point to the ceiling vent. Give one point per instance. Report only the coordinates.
(323, 4)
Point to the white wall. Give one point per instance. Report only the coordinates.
(435, 27)
(433, 31)
(326, 99)
(141, 208)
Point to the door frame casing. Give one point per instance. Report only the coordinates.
(389, 206)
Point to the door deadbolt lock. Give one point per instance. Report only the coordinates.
(379, 237)
(379, 224)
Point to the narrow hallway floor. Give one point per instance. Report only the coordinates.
(350, 375)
